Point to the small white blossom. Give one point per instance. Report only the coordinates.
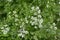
(59, 2)
(51, 27)
(32, 7)
(5, 30)
(35, 13)
(9, 16)
(35, 27)
(16, 24)
(21, 35)
(2, 27)
(9, 0)
(34, 18)
(54, 24)
(39, 11)
(55, 28)
(48, 1)
(40, 26)
(16, 15)
(39, 16)
(16, 19)
(26, 32)
(40, 21)
(52, 0)
(14, 12)
(32, 23)
(26, 21)
(37, 8)
(47, 5)
(6, 25)
(9, 13)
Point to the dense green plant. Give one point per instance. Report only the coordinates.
(29, 19)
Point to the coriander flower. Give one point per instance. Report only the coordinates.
(39, 11)
(54, 24)
(37, 8)
(9, 0)
(55, 28)
(6, 25)
(35, 13)
(35, 27)
(39, 16)
(5, 30)
(14, 12)
(32, 7)
(58, 19)
(21, 35)
(59, 2)
(40, 21)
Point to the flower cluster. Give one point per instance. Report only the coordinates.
(5, 29)
(22, 33)
(36, 19)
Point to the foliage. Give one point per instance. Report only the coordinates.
(29, 19)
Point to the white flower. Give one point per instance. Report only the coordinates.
(16, 15)
(35, 13)
(6, 25)
(48, 1)
(26, 21)
(55, 28)
(32, 7)
(9, 16)
(16, 24)
(40, 25)
(5, 30)
(2, 27)
(9, 13)
(37, 8)
(14, 12)
(21, 35)
(52, 0)
(25, 18)
(34, 18)
(47, 5)
(9, 0)
(54, 24)
(16, 19)
(32, 23)
(59, 2)
(39, 11)
(51, 27)
(35, 27)
(26, 32)
(39, 16)
(40, 21)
